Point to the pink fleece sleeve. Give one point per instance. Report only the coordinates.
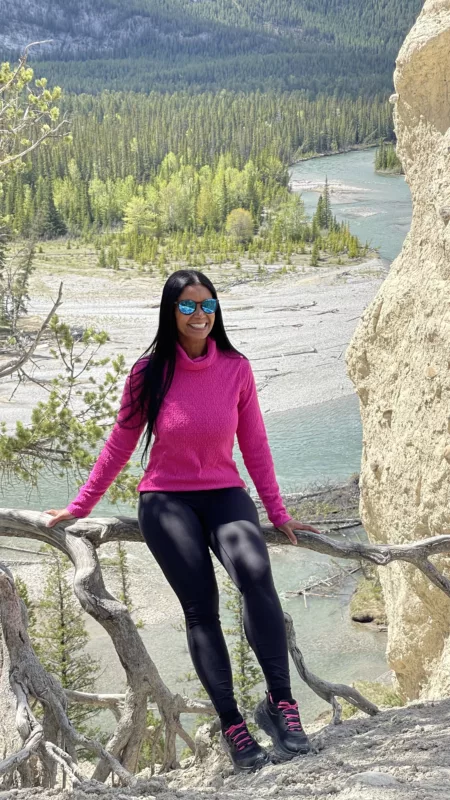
(116, 451)
(252, 440)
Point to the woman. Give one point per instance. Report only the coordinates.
(194, 392)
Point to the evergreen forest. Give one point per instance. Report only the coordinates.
(192, 166)
(170, 45)
(155, 178)
(387, 160)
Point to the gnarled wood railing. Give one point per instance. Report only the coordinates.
(80, 540)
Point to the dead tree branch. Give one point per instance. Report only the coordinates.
(17, 363)
(99, 531)
(30, 746)
(79, 539)
(326, 690)
(143, 679)
(28, 679)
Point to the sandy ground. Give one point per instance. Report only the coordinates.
(402, 754)
(335, 187)
(294, 328)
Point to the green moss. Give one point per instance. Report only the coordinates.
(383, 696)
(367, 603)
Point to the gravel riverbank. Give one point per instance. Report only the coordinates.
(294, 328)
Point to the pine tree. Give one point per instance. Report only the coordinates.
(47, 222)
(122, 562)
(318, 218)
(3, 301)
(22, 590)
(387, 160)
(315, 252)
(61, 637)
(327, 216)
(102, 262)
(152, 750)
(353, 247)
(246, 672)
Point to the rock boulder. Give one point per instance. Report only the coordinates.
(399, 361)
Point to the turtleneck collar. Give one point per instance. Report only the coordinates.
(202, 362)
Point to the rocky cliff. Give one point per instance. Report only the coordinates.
(399, 360)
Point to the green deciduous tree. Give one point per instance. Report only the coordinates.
(290, 219)
(140, 219)
(239, 225)
(29, 113)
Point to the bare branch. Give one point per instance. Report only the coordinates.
(142, 675)
(35, 44)
(186, 738)
(101, 531)
(15, 365)
(327, 691)
(91, 699)
(50, 134)
(66, 762)
(80, 538)
(30, 746)
(28, 678)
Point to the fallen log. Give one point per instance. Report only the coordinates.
(326, 582)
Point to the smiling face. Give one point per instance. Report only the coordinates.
(193, 329)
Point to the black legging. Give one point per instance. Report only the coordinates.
(179, 528)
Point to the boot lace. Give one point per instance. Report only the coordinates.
(291, 714)
(239, 735)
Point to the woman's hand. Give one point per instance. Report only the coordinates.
(289, 527)
(58, 516)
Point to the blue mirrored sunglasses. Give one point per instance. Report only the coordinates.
(189, 306)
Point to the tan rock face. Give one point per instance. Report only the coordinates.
(399, 361)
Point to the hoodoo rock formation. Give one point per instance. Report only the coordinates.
(399, 360)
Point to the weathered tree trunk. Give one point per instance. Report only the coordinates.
(28, 679)
(79, 540)
(10, 740)
(143, 679)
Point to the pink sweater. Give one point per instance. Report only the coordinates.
(212, 399)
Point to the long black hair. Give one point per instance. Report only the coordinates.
(152, 374)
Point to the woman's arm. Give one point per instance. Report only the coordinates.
(118, 448)
(252, 439)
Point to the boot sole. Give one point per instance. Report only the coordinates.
(263, 720)
(262, 761)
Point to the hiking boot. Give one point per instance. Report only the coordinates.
(244, 751)
(281, 721)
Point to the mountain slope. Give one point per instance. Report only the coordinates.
(316, 45)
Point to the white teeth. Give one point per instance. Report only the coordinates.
(200, 326)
